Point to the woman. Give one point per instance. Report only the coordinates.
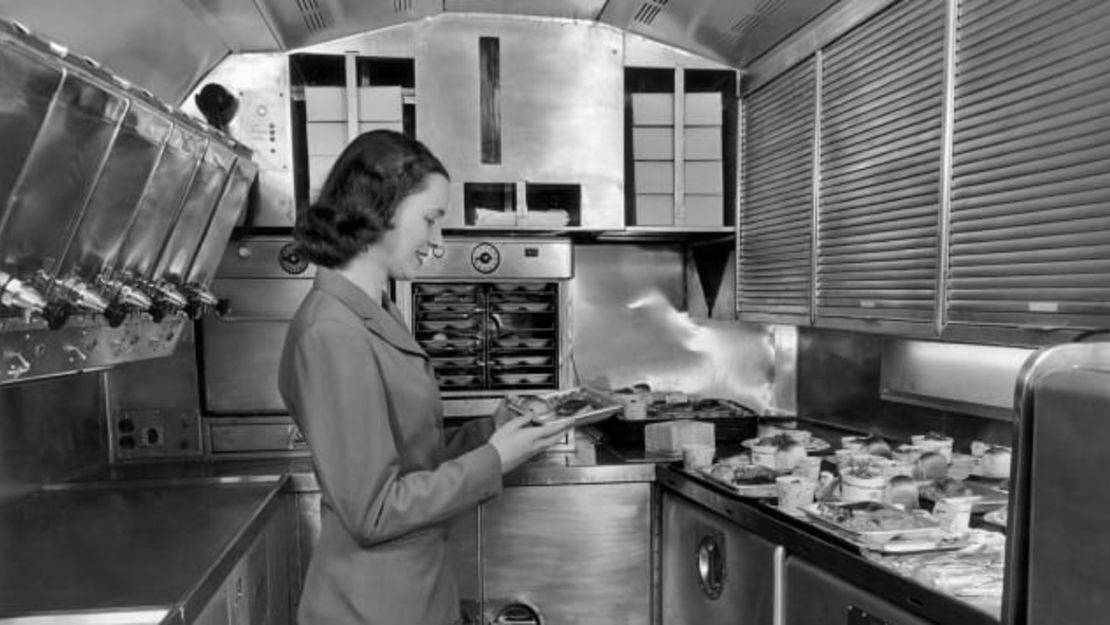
(362, 391)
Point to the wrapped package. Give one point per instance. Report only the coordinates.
(668, 437)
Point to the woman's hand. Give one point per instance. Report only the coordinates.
(518, 440)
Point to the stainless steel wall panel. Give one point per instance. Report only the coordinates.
(562, 107)
(199, 206)
(161, 202)
(254, 298)
(239, 376)
(58, 176)
(50, 431)
(27, 86)
(103, 225)
(628, 327)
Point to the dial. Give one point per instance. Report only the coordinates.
(291, 260)
(485, 258)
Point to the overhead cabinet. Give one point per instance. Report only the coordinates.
(881, 101)
(774, 245)
(959, 182)
(1030, 180)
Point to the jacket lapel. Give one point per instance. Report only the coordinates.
(385, 322)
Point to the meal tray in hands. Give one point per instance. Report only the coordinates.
(599, 406)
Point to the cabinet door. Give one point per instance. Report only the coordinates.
(712, 570)
(576, 553)
(1030, 186)
(880, 180)
(775, 240)
(216, 612)
(816, 597)
(248, 589)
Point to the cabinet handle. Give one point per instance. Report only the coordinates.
(711, 564)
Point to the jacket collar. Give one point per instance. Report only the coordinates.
(385, 321)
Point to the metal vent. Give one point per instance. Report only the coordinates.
(649, 10)
(314, 17)
(402, 6)
(751, 21)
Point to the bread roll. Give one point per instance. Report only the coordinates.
(930, 466)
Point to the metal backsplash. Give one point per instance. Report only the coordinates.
(561, 107)
(630, 325)
(839, 377)
(50, 431)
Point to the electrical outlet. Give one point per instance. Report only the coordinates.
(155, 433)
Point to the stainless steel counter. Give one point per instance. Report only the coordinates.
(831, 553)
(141, 550)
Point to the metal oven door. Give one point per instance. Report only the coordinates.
(712, 570)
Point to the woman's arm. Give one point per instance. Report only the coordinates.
(340, 400)
(470, 435)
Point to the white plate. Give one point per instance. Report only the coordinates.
(813, 445)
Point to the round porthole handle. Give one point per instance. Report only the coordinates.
(711, 565)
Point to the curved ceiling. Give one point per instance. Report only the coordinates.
(167, 46)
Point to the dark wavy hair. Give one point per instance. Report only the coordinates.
(357, 203)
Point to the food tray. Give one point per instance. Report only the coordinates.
(520, 341)
(873, 537)
(706, 408)
(599, 408)
(813, 445)
(991, 498)
(753, 491)
(521, 379)
(517, 307)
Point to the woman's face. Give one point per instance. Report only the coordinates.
(416, 228)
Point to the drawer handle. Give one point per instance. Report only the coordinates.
(711, 565)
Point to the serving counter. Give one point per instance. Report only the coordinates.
(156, 543)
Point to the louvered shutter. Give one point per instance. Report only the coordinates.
(1030, 216)
(774, 246)
(881, 132)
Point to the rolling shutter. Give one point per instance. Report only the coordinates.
(774, 246)
(1030, 215)
(881, 135)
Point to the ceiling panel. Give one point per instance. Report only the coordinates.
(161, 45)
(576, 9)
(735, 31)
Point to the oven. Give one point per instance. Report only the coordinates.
(494, 316)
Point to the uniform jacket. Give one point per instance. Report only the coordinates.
(362, 391)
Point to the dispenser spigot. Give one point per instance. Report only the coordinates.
(82, 296)
(15, 294)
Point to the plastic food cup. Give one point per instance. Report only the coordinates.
(794, 492)
(697, 456)
(809, 468)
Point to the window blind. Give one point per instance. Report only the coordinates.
(881, 136)
(776, 212)
(1030, 214)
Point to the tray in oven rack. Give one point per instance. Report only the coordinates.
(521, 287)
(524, 378)
(445, 344)
(521, 341)
(445, 289)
